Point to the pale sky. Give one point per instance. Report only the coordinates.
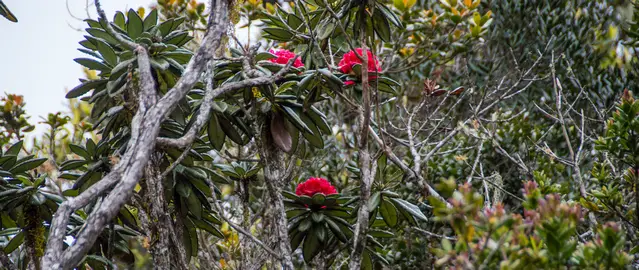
(36, 54)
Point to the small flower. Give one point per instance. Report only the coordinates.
(315, 185)
(283, 56)
(351, 58)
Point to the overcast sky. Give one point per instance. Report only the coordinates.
(36, 54)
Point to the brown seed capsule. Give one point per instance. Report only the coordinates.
(281, 136)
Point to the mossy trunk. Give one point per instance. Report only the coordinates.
(34, 236)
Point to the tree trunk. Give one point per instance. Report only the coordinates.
(275, 171)
(161, 225)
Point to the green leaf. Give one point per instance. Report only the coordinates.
(186, 241)
(69, 176)
(108, 54)
(38, 199)
(391, 194)
(73, 164)
(320, 232)
(336, 230)
(87, 44)
(305, 225)
(159, 63)
(27, 165)
(230, 130)
(205, 225)
(373, 201)
(285, 86)
(151, 19)
(380, 233)
(447, 245)
(183, 189)
(211, 218)
(382, 28)
(194, 205)
(337, 213)
(315, 137)
(15, 242)
(181, 56)
(389, 213)
(290, 195)
(14, 150)
(410, 208)
(388, 14)
(293, 213)
(92, 64)
(53, 197)
(296, 239)
(295, 22)
(317, 217)
(8, 162)
(177, 38)
(123, 66)
(5, 12)
(88, 259)
(84, 88)
(101, 34)
(115, 87)
(70, 193)
(127, 217)
(319, 198)
(9, 231)
(306, 200)
(326, 29)
(278, 34)
(311, 247)
(119, 19)
(264, 56)
(330, 76)
(134, 26)
(80, 151)
(307, 83)
(199, 181)
(377, 256)
(367, 263)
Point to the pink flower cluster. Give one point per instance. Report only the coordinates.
(351, 58)
(283, 56)
(315, 185)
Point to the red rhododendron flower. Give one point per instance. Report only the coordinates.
(349, 83)
(283, 56)
(350, 58)
(315, 185)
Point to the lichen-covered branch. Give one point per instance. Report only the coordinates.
(367, 168)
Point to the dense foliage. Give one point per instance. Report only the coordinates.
(353, 134)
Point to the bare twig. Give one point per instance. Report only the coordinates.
(560, 115)
(434, 234)
(214, 201)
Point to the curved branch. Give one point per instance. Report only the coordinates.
(145, 129)
(205, 110)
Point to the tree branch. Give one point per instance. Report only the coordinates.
(145, 129)
(367, 168)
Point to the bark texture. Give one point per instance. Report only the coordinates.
(276, 176)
